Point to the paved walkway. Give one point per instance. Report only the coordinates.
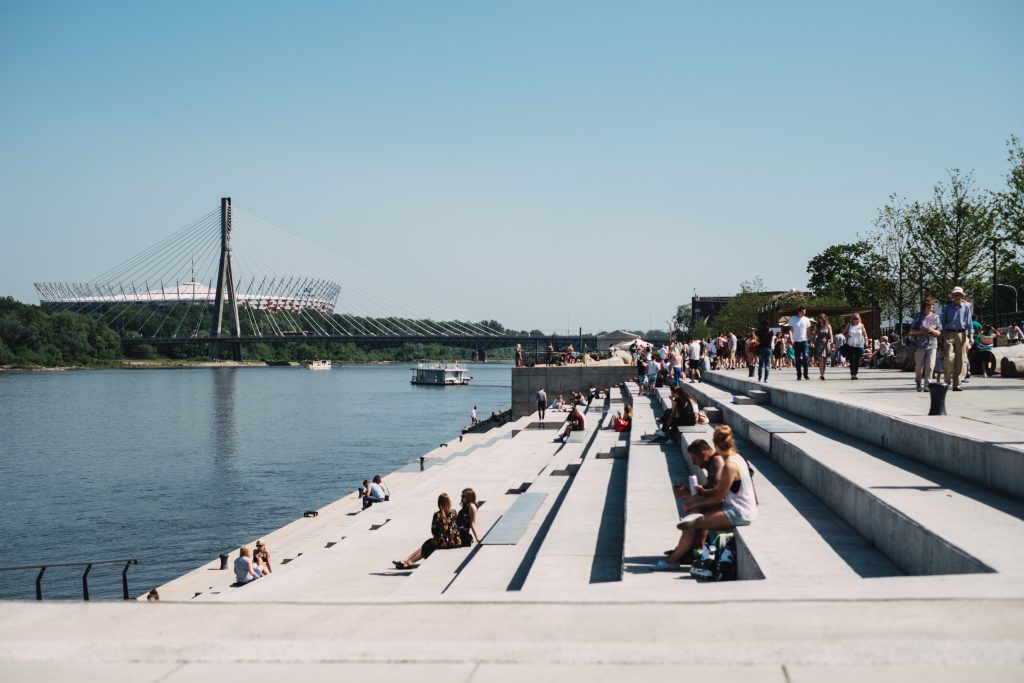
(987, 400)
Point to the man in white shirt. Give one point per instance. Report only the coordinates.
(799, 324)
(694, 354)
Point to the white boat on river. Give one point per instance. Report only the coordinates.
(317, 364)
(440, 374)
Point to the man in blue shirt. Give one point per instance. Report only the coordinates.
(956, 319)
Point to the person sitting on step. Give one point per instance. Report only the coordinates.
(624, 424)
(733, 502)
(575, 421)
(467, 518)
(444, 534)
(375, 492)
(261, 558)
(245, 569)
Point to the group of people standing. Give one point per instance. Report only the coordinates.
(945, 342)
(805, 342)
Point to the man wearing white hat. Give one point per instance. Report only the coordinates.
(956, 319)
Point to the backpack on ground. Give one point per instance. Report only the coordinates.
(717, 560)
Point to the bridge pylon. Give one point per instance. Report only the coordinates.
(225, 284)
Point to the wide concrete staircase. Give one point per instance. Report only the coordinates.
(849, 491)
(841, 514)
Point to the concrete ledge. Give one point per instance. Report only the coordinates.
(986, 454)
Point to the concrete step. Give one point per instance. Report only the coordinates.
(497, 568)
(796, 539)
(759, 397)
(987, 454)
(924, 520)
(651, 510)
(584, 542)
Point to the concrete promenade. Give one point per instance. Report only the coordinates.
(871, 559)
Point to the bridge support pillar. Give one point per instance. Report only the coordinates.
(225, 284)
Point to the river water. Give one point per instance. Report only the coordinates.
(174, 466)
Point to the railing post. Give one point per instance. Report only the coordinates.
(39, 583)
(85, 583)
(124, 579)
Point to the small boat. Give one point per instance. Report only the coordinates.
(317, 364)
(440, 374)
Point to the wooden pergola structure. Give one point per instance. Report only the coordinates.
(838, 316)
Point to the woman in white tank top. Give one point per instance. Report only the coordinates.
(733, 503)
(856, 338)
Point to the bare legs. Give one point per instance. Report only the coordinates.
(715, 520)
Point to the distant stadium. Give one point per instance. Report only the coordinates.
(292, 295)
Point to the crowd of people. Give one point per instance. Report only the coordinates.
(804, 342)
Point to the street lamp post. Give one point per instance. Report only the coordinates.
(1015, 307)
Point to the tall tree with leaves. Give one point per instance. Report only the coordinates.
(850, 272)
(684, 320)
(893, 242)
(740, 314)
(1009, 214)
(955, 229)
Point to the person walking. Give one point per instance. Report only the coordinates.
(765, 348)
(823, 341)
(856, 338)
(799, 324)
(924, 335)
(472, 417)
(956, 319)
(519, 355)
(542, 402)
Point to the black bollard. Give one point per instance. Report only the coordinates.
(937, 390)
(422, 459)
(224, 561)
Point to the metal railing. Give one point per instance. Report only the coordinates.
(85, 575)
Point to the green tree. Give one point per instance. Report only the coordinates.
(955, 229)
(684, 320)
(740, 313)
(849, 272)
(899, 260)
(1009, 203)
(1009, 239)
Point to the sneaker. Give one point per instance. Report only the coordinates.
(663, 566)
(689, 521)
(965, 380)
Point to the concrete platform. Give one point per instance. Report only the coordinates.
(573, 598)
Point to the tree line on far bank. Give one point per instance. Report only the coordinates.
(961, 235)
(32, 335)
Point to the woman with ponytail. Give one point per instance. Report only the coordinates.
(733, 502)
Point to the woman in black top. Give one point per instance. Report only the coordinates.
(444, 533)
(466, 519)
(765, 347)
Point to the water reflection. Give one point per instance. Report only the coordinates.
(225, 435)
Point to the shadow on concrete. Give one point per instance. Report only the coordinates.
(940, 480)
(607, 563)
(855, 550)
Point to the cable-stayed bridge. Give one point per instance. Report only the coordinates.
(229, 279)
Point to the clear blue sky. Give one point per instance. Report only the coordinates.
(586, 162)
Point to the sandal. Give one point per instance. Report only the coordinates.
(399, 564)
